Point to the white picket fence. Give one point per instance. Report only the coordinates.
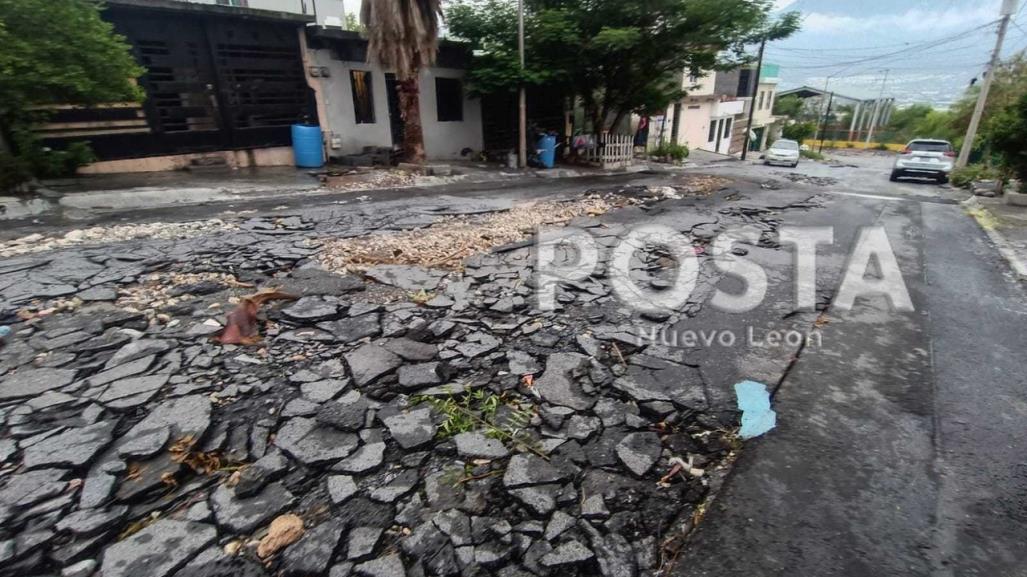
(611, 151)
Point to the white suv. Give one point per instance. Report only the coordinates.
(925, 158)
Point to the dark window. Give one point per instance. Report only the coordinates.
(713, 131)
(727, 128)
(745, 87)
(363, 98)
(449, 99)
(930, 146)
(760, 107)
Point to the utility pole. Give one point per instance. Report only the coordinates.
(752, 97)
(823, 130)
(877, 107)
(522, 122)
(1008, 7)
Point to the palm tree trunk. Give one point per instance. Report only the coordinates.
(410, 109)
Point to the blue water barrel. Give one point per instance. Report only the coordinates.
(547, 150)
(307, 147)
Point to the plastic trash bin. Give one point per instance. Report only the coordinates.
(307, 147)
(547, 151)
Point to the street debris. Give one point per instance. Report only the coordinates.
(451, 239)
(800, 178)
(241, 326)
(102, 234)
(415, 417)
(390, 178)
(754, 402)
(283, 531)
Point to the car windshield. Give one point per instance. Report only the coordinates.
(926, 146)
(786, 145)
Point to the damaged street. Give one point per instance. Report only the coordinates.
(370, 386)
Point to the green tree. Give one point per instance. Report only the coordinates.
(59, 52)
(905, 123)
(403, 36)
(1009, 136)
(790, 106)
(799, 131)
(618, 56)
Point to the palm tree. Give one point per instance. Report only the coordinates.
(403, 36)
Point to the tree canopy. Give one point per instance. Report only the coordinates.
(618, 56)
(60, 51)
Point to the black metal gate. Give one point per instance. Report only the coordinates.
(212, 82)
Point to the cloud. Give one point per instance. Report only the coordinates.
(782, 4)
(912, 20)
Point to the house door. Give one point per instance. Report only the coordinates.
(396, 124)
(724, 135)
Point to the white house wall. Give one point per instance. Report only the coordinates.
(343, 134)
(445, 140)
(442, 140)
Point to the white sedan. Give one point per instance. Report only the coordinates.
(782, 152)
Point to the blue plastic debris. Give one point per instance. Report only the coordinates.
(754, 402)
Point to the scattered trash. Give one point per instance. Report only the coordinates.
(241, 326)
(754, 402)
(5, 332)
(284, 531)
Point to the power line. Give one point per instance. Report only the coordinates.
(906, 52)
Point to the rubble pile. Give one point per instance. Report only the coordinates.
(462, 432)
(446, 242)
(100, 234)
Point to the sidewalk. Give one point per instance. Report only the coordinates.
(1006, 226)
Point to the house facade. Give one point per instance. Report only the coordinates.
(765, 126)
(359, 104)
(224, 83)
(713, 114)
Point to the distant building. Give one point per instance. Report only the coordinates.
(713, 114)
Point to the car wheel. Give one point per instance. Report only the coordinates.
(894, 175)
(943, 179)
(766, 163)
(794, 164)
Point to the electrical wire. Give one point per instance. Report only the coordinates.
(905, 53)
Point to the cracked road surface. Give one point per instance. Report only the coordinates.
(898, 448)
(436, 422)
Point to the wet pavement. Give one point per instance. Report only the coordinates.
(400, 420)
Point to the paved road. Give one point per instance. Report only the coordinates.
(899, 448)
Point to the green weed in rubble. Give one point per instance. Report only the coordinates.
(479, 410)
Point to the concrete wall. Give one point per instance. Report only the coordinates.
(695, 124)
(277, 156)
(445, 140)
(442, 140)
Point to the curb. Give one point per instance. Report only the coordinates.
(987, 221)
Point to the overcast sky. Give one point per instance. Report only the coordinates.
(854, 41)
